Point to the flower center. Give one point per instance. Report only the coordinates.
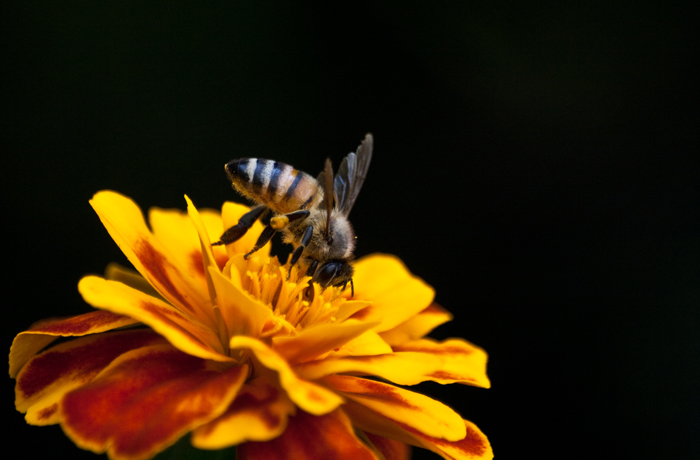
(295, 304)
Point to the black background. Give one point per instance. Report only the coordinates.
(534, 161)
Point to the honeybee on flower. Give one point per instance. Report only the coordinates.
(311, 213)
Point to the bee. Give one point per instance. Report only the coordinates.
(312, 214)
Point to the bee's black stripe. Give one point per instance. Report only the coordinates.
(258, 176)
(241, 167)
(306, 203)
(274, 180)
(290, 191)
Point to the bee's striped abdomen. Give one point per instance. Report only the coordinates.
(276, 185)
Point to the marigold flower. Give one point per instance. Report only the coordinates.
(237, 355)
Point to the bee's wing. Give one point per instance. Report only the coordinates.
(325, 180)
(327, 177)
(351, 175)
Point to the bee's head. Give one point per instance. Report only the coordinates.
(334, 273)
(340, 240)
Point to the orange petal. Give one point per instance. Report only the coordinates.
(26, 344)
(390, 448)
(396, 295)
(462, 362)
(309, 396)
(147, 399)
(179, 284)
(473, 446)
(400, 368)
(259, 413)
(329, 436)
(315, 341)
(417, 326)
(44, 380)
(415, 410)
(183, 331)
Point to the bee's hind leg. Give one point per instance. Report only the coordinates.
(244, 223)
(264, 237)
(300, 249)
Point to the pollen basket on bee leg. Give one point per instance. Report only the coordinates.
(279, 222)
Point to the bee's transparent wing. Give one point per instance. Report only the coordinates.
(351, 175)
(327, 177)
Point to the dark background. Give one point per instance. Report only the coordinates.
(535, 162)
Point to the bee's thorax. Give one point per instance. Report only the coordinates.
(319, 248)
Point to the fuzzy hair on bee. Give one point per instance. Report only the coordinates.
(312, 214)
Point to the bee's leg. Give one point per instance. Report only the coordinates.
(244, 223)
(308, 292)
(279, 222)
(262, 240)
(352, 288)
(297, 252)
(312, 268)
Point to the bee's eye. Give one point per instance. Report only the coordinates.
(326, 273)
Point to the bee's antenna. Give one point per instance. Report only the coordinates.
(328, 192)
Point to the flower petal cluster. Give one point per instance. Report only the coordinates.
(238, 352)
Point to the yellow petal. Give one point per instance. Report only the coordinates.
(417, 326)
(44, 380)
(206, 249)
(124, 222)
(367, 344)
(395, 293)
(413, 409)
(462, 362)
(242, 314)
(473, 446)
(259, 413)
(42, 333)
(315, 341)
(400, 368)
(209, 264)
(147, 399)
(131, 278)
(349, 308)
(309, 396)
(230, 213)
(174, 229)
(214, 225)
(184, 332)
